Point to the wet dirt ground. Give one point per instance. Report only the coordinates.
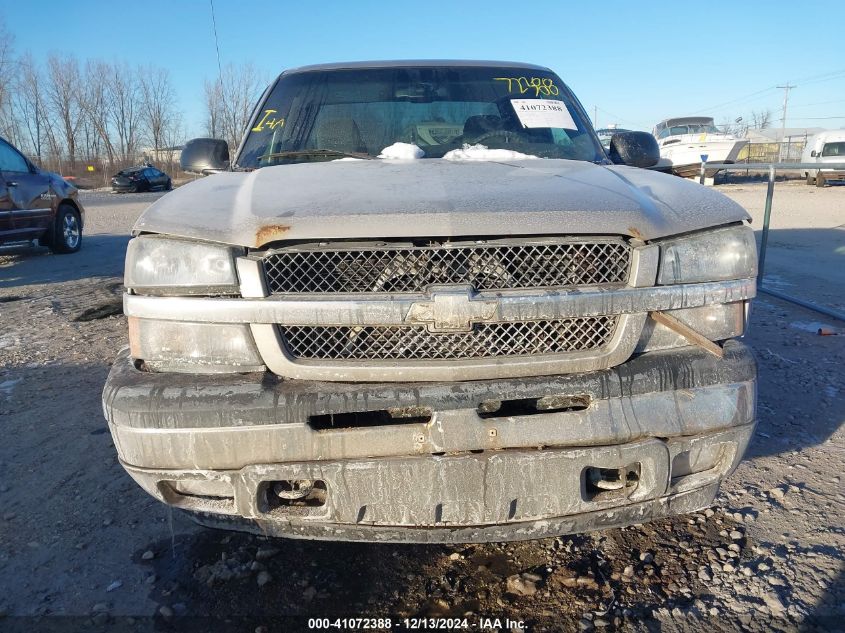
(83, 548)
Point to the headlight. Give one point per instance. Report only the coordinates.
(167, 266)
(729, 253)
(193, 347)
(717, 322)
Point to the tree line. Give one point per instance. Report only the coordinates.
(67, 114)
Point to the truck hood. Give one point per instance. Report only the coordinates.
(435, 198)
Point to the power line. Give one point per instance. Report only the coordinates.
(810, 78)
(216, 44)
(819, 81)
(817, 118)
(807, 105)
(737, 100)
(622, 119)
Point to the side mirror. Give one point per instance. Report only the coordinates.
(637, 149)
(205, 156)
(813, 154)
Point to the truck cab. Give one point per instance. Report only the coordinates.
(824, 148)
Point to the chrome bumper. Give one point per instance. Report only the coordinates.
(213, 445)
(264, 314)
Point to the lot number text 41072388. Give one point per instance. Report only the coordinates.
(415, 624)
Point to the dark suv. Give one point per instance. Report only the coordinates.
(143, 178)
(37, 204)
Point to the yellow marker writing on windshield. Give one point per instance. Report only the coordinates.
(540, 85)
(268, 123)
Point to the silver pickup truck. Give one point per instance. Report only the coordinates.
(423, 304)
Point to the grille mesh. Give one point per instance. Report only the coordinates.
(413, 269)
(486, 340)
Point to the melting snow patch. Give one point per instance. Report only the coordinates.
(402, 151)
(480, 152)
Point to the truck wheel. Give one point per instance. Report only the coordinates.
(67, 231)
(820, 180)
(810, 179)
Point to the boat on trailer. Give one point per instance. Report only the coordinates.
(683, 141)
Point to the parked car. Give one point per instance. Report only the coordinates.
(144, 178)
(824, 147)
(606, 133)
(484, 327)
(37, 204)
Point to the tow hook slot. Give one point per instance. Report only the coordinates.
(601, 484)
(293, 496)
(532, 406)
(365, 419)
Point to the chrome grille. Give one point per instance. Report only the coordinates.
(485, 340)
(407, 268)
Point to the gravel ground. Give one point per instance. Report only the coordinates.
(79, 539)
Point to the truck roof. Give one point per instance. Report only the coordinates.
(687, 120)
(829, 135)
(413, 63)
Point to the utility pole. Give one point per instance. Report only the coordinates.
(595, 117)
(786, 90)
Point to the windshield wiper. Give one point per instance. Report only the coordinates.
(316, 152)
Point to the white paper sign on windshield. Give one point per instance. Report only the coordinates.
(543, 113)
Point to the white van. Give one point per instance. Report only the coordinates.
(824, 147)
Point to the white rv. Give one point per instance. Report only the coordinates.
(824, 147)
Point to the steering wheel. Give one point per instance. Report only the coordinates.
(509, 136)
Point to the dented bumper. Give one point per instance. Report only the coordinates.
(438, 462)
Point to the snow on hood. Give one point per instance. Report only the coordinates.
(480, 152)
(435, 198)
(402, 151)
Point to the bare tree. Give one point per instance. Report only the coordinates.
(124, 93)
(761, 120)
(214, 109)
(97, 105)
(7, 70)
(158, 107)
(229, 102)
(174, 134)
(62, 96)
(27, 104)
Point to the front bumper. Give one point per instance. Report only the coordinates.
(215, 445)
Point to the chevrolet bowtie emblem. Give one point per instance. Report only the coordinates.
(451, 310)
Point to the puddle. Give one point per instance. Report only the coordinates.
(7, 386)
(776, 281)
(103, 311)
(811, 326)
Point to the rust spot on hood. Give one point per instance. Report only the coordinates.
(270, 233)
(636, 232)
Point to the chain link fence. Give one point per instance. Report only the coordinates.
(789, 151)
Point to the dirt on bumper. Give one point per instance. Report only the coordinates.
(648, 438)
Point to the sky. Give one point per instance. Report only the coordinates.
(632, 63)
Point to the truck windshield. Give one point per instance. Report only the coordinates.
(359, 112)
(695, 128)
(834, 149)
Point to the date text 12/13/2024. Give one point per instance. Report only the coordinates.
(416, 624)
